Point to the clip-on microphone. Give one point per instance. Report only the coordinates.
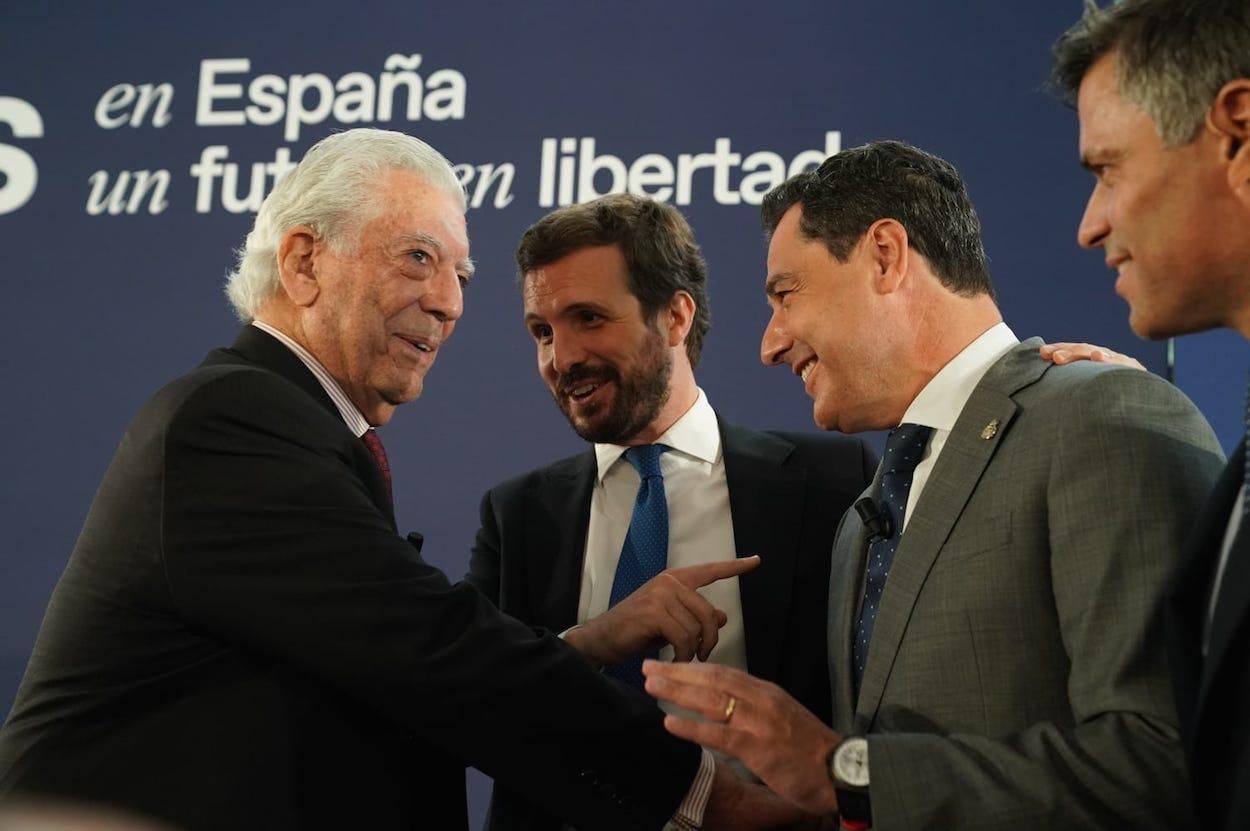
(877, 523)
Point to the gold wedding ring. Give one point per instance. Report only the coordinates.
(729, 709)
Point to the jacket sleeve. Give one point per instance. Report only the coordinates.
(272, 544)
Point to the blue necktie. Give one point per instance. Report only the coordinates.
(645, 553)
(903, 450)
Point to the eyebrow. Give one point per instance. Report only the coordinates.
(465, 267)
(1098, 156)
(571, 309)
(770, 283)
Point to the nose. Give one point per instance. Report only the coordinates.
(445, 298)
(775, 343)
(566, 351)
(1094, 223)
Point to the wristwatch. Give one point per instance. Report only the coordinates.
(848, 768)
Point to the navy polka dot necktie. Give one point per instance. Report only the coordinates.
(645, 553)
(903, 451)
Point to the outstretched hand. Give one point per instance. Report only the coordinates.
(666, 609)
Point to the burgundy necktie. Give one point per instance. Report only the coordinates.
(371, 440)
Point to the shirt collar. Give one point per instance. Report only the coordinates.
(352, 416)
(696, 434)
(942, 400)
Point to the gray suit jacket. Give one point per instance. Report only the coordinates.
(1017, 675)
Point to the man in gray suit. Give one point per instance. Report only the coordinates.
(995, 633)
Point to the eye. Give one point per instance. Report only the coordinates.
(1102, 173)
(420, 256)
(589, 318)
(464, 280)
(541, 332)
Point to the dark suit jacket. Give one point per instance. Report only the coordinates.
(241, 640)
(1213, 695)
(787, 492)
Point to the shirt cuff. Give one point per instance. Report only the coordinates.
(690, 812)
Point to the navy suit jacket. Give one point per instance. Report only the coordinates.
(787, 492)
(1213, 694)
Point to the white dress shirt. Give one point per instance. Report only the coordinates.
(700, 529)
(942, 400)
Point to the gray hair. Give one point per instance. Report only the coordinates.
(333, 190)
(1174, 56)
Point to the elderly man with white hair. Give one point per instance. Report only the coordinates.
(242, 640)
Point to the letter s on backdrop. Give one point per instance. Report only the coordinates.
(19, 170)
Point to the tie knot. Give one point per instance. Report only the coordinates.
(646, 459)
(904, 447)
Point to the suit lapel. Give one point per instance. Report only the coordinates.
(259, 347)
(1187, 601)
(846, 589)
(1233, 601)
(766, 508)
(556, 541)
(950, 485)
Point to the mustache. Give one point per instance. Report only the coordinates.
(580, 374)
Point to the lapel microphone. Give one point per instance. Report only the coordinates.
(877, 523)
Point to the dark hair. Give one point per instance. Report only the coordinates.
(1173, 56)
(660, 252)
(888, 179)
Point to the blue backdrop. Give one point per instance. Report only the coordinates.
(135, 143)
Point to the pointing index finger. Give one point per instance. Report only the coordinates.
(705, 573)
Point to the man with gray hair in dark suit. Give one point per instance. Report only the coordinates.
(241, 639)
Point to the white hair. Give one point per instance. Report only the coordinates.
(333, 190)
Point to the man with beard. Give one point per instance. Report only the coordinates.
(634, 548)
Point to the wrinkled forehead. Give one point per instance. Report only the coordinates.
(405, 207)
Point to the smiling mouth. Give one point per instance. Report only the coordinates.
(806, 369)
(583, 391)
(419, 345)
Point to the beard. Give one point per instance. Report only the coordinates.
(639, 396)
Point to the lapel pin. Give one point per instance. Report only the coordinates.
(991, 430)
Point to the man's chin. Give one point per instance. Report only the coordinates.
(588, 429)
(389, 400)
(1153, 327)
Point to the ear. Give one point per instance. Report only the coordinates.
(885, 245)
(297, 254)
(680, 315)
(1229, 117)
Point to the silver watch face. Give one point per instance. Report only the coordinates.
(850, 762)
